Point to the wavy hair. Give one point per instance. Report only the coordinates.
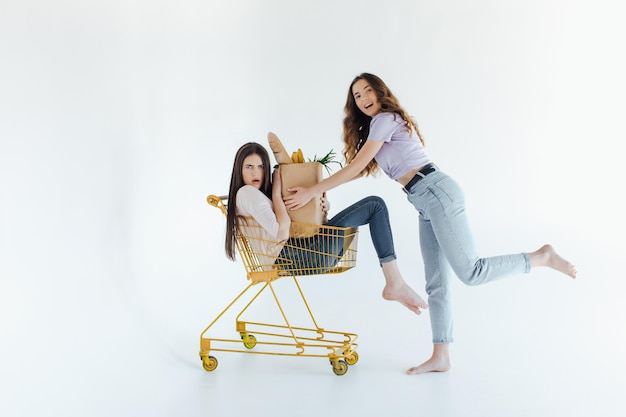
(356, 124)
(236, 182)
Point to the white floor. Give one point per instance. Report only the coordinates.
(514, 356)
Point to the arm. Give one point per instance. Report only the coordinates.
(279, 207)
(325, 205)
(252, 202)
(351, 171)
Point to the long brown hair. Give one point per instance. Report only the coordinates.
(356, 124)
(236, 182)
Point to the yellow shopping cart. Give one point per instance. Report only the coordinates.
(311, 250)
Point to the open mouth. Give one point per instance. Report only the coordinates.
(367, 106)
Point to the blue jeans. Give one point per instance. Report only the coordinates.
(447, 244)
(371, 210)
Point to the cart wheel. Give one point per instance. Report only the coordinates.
(352, 358)
(249, 341)
(340, 367)
(209, 363)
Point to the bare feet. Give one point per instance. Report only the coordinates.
(547, 256)
(406, 296)
(396, 289)
(438, 362)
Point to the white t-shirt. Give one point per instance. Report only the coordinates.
(251, 202)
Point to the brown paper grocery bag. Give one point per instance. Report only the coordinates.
(304, 175)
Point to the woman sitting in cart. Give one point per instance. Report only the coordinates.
(253, 195)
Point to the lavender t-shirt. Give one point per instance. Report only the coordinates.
(401, 152)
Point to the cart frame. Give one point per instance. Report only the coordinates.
(285, 339)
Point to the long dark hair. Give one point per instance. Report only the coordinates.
(356, 124)
(236, 182)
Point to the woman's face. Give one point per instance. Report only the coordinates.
(253, 171)
(365, 98)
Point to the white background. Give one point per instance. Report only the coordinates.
(117, 118)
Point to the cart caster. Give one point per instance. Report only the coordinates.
(209, 363)
(340, 367)
(249, 341)
(351, 358)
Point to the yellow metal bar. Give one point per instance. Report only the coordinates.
(282, 312)
(250, 303)
(226, 309)
(252, 352)
(304, 340)
(320, 330)
(205, 344)
(263, 276)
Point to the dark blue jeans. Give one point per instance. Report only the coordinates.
(328, 250)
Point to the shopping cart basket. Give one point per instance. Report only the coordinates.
(311, 250)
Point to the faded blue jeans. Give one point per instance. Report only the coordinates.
(371, 210)
(447, 243)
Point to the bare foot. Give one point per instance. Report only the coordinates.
(431, 365)
(438, 362)
(547, 256)
(406, 296)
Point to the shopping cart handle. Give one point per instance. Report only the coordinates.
(217, 201)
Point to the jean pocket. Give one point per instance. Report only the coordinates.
(446, 189)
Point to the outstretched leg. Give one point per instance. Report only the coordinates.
(547, 256)
(396, 289)
(438, 362)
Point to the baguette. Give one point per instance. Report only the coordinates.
(280, 154)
